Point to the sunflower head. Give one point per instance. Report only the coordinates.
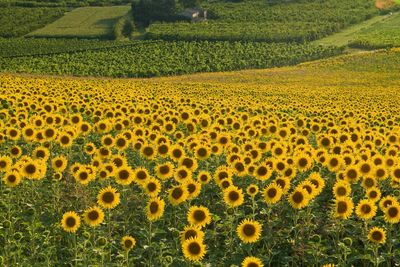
(193, 249)
(70, 221)
(93, 216)
(377, 235)
(249, 231)
(128, 242)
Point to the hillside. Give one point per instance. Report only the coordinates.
(111, 172)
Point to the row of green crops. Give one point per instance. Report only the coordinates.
(381, 35)
(147, 59)
(18, 21)
(16, 47)
(262, 21)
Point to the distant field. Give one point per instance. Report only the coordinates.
(383, 34)
(18, 21)
(18, 47)
(160, 58)
(84, 22)
(260, 20)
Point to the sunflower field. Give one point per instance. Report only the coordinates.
(257, 170)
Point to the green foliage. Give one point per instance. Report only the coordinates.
(61, 3)
(260, 20)
(17, 21)
(39, 46)
(124, 27)
(85, 22)
(381, 35)
(146, 59)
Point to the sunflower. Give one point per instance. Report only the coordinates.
(155, 209)
(303, 162)
(70, 221)
(12, 178)
(272, 193)
(334, 163)
(193, 249)
(191, 231)
(386, 202)
(377, 235)
(15, 152)
(366, 209)
(178, 194)
(233, 196)
(204, 177)
(299, 199)
(374, 194)
(84, 175)
(343, 207)
(252, 262)
(41, 153)
(90, 148)
(128, 242)
(199, 216)
(249, 231)
(149, 152)
(65, 140)
(239, 168)
(5, 163)
(262, 172)
(152, 187)
(369, 182)
(194, 188)
(392, 213)
(59, 163)
(164, 171)
(182, 174)
(319, 183)
(176, 152)
(190, 163)
(93, 216)
(124, 175)
(141, 175)
(107, 140)
(252, 190)
(284, 183)
(202, 152)
(341, 189)
(31, 169)
(221, 173)
(121, 142)
(309, 187)
(108, 198)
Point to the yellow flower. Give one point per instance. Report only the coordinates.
(70, 221)
(93, 216)
(366, 209)
(199, 216)
(377, 235)
(249, 231)
(108, 198)
(252, 262)
(233, 196)
(272, 193)
(193, 249)
(155, 209)
(128, 242)
(299, 198)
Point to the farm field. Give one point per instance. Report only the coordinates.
(288, 166)
(157, 58)
(259, 20)
(383, 34)
(84, 22)
(18, 21)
